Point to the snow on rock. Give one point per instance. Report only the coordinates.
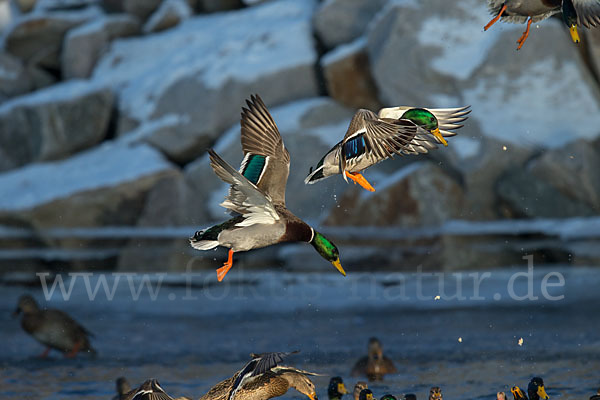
(142, 9)
(309, 128)
(207, 65)
(348, 76)
(431, 52)
(169, 14)
(420, 194)
(84, 44)
(54, 122)
(102, 186)
(37, 37)
(341, 21)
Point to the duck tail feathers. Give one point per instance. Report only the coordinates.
(315, 176)
(204, 240)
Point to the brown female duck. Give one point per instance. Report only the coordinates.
(53, 328)
(261, 379)
(375, 365)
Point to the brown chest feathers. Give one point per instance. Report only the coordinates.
(296, 230)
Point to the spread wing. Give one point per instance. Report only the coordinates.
(588, 12)
(260, 364)
(149, 390)
(449, 119)
(266, 161)
(243, 197)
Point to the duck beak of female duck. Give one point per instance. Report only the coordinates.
(438, 135)
(313, 396)
(338, 266)
(542, 393)
(574, 33)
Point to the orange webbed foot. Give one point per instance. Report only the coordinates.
(524, 36)
(358, 178)
(221, 272)
(495, 19)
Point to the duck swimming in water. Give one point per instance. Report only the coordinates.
(336, 389)
(374, 365)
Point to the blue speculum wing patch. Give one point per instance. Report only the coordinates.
(254, 167)
(354, 147)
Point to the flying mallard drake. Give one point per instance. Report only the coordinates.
(374, 365)
(53, 328)
(372, 138)
(150, 390)
(261, 379)
(257, 196)
(574, 13)
(336, 389)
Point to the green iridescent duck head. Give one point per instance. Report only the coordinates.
(569, 15)
(426, 120)
(336, 388)
(388, 397)
(327, 250)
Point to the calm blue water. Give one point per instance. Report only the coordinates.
(190, 337)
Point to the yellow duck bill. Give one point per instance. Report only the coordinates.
(574, 33)
(438, 135)
(338, 266)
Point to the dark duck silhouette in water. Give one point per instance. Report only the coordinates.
(574, 13)
(374, 365)
(257, 196)
(336, 389)
(53, 328)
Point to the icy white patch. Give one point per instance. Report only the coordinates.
(107, 165)
(330, 134)
(148, 128)
(464, 46)
(66, 91)
(5, 14)
(550, 123)
(345, 50)
(466, 147)
(254, 42)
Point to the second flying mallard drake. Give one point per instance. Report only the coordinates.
(372, 138)
(574, 13)
(257, 196)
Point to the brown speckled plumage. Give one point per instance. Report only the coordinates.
(53, 328)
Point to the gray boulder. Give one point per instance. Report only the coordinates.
(63, 5)
(23, 6)
(84, 44)
(54, 122)
(37, 38)
(573, 170)
(105, 186)
(348, 76)
(181, 72)
(169, 14)
(421, 194)
(209, 6)
(341, 21)
(141, 9)
(13, 79)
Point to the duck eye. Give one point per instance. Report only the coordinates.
(431, 119)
